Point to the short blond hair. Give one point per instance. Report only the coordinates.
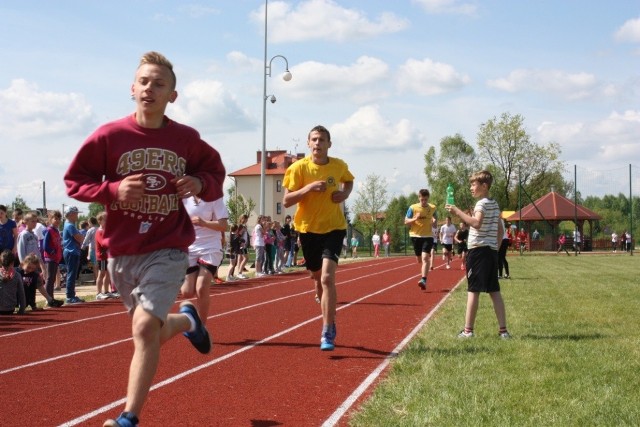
(482, 177)
(157, 58)
(31, 259)
(102, 215)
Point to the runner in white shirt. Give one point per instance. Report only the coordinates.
(205, 253)
(434, 248)
(447, 232)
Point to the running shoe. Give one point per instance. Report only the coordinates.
(74, 300)
(464, 334)
(317, 299)
(241, 276)
(231, 278)
(55, 303)
(422, 284)
(102, 296)
(200, 337)
(327, 342)
(126, 419)
(504, 335)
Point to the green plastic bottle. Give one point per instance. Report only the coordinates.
(450, 199)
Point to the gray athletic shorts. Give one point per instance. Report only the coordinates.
(151, 280)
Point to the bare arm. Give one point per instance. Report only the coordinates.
(474, 221)
(292, 197)
(218, 225)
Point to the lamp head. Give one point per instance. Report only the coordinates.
(287, 76)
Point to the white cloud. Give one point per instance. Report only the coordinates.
(447, 6)
(361, 81)
(629, 32)
(198, 10)
(428, 77)
(572, 86)
(28, 112)
(368, 131)
(210, 108)
(323, 20)
(242, 61)
(608, 141)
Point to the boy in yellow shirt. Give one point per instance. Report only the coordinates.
(319, 184)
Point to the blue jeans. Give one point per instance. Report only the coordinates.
(72, 261)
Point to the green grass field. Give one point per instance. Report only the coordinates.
(574, 359)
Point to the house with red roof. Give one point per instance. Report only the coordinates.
(247, 183)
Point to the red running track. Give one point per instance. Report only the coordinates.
(69, 366)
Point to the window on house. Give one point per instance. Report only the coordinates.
(279, 186)
(278, 208)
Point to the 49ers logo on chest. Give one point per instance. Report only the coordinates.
(154, 182)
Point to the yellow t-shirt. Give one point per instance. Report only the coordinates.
(422, 227)
(316, 212)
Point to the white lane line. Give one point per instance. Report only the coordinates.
(235, 291)
(63, 356)
(96, 348)
(348, 403)
(84, 418)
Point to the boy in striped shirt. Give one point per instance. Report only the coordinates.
(482, 260)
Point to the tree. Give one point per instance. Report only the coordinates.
(455, 163)
(507, 151)
(19, 203)
(372, 199)
(237, 205)
(394, 220)
(95, 209)
(538, 186)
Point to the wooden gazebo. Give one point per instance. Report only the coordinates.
(555, 208)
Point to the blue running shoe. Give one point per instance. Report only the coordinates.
(200, 337)
(327, 341)
(126, 419)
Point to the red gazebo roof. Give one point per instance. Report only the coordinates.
(553, 207)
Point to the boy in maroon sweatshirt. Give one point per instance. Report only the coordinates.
(139, 168)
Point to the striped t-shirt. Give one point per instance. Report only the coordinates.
(487, 234)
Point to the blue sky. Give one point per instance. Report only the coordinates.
(388, 78)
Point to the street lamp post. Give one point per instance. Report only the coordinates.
(267, 73)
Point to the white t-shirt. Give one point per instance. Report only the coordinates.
(446, 234)
(375, 239)
(576, 236)
(258, 236)
(206, 238)
(39, 230)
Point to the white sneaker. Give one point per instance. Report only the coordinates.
(102, 297)
(241, 276)
(464, 334)
(230, 278)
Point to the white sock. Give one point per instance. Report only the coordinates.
(192, 320)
